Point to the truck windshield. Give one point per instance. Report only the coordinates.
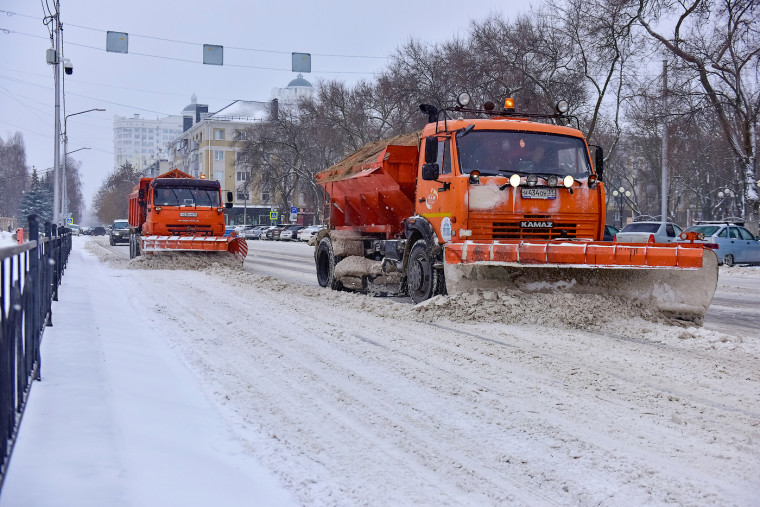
(186, 196)
(509, 152)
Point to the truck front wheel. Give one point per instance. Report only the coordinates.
(325, 260)
(421, 277)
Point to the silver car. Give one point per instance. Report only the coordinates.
(731, 242)
(648, 232)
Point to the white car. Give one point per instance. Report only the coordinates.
(648, 232)
(309, 232)
(290, 233)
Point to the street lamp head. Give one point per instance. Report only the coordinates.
(720, 194)
(622, 189)
(628, 193)
(615, 193)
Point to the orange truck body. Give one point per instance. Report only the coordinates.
(176, 212)
(474, 215)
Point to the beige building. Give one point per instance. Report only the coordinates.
(207, 149)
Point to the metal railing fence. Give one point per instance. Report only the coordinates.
(30, 274)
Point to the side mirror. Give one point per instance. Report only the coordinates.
(228, 205)
(430, 172)
(229, 198)
(599, 163)
(431, 150)
(141, 194)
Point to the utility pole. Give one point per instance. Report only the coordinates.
(664, 183)
(57, 136)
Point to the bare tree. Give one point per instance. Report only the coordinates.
(719, 41)
(111, 200)
(14, 178)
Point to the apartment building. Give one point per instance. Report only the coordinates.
(141, 141)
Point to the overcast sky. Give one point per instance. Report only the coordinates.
(348, 40)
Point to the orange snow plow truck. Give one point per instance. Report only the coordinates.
(506, 200)
(175, 212)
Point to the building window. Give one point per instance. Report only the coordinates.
(243, 196)
(240, 176)
(218, 155)
(218, 134)
(265, 195)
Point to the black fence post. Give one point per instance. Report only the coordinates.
(47, 274)
(35, 312)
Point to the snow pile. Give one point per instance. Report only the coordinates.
(185, 261)
(165, 260)
(7, 239)
(580, 311)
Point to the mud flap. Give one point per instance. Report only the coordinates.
(679, 292)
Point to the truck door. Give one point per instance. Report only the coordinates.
(439, 198)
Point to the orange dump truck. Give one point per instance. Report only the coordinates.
(175, 212)
(505, 200)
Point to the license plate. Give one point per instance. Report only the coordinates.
(188, 214)
(539, 193)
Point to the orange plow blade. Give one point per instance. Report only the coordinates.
(679, 280)
(236, 246)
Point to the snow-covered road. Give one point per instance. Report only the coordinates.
(485, 399)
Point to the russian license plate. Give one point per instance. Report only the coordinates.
(539, 193)
(188, 214)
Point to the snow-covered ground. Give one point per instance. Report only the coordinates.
(180, 385)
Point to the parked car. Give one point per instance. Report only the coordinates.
(609, 232)
(75, 230)
(273, 233)
(649, 232)
(98, 231)
(309, 232)
(291, 233)
(119, 232)
(254, 232)
(731, 242)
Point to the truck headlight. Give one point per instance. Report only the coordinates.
(514, 180)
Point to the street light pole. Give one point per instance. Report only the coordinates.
(621, 194)
(64, 204)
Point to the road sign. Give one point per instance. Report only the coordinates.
(69, 221)
(293, 209)
(273, 215)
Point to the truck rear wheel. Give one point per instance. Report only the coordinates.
(421, 277)
(325, 260)
(134, 246)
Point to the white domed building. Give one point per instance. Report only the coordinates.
(298, 88)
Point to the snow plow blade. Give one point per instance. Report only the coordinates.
(679, 280)
(236, 246)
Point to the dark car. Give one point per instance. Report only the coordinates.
(274, 233)
(98, 231)
(119, 232)
(609, 232)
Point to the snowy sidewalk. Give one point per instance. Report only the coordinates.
(118, 419)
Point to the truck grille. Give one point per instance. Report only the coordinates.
(487, 227)
(189, 230)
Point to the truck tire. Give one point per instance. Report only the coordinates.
(134, 246)
(325, 261)
(421, 277)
